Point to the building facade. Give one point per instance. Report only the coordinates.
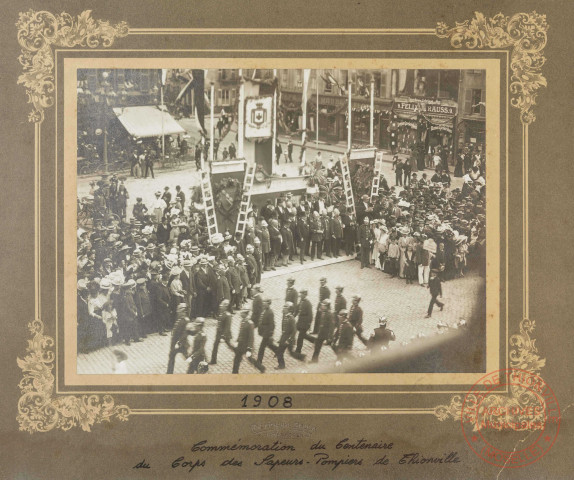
(471, 124)
(101, 137)
(226, 90)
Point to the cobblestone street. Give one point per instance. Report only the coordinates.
(404, 306)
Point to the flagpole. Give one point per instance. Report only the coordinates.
(274, 116)
(241, 116)
(349, 114)
(317, 120)
(211, 120)
(162, 134)
(304, 125)
(372, 144)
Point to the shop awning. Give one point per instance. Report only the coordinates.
(148, 121)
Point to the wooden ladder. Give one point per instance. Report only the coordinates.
(377, 176)
(208, 203)
(245, 200)
(349, 200)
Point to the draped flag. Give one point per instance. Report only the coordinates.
(306, 90)
(330, 80)
(197, 83)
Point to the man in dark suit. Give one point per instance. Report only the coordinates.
(278, 151)
(435, 287)
(197, 355)
(159, 300)
(303, 234)
(251, 265)
(343, 343)
(180, 197)
(327, 233)
(316, 227)
(223, 288)
(276, 242)
(304, 314)
(356, 318)
(203, 288)
(363, 209)
(288, 331)
(324, 294)
(336, 233)
(166, 197)
(340, 303)
(179, 341)
(266, 329)
(257, 305)
(223, 330)
(326, 329)
(349, 233)
(365, 240)
(244, 346)
(381, 337)
(235, 284)
(291, 294)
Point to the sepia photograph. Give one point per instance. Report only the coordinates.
(281, 221)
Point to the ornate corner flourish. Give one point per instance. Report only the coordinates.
(39, 32)
(39, 410)
(525, 34)
(523, 356)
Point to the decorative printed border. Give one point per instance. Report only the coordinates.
(39, 410)
(39, 33)
(524, 34)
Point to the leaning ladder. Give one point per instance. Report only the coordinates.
(245, 200)
(377, 176)
(349, 200)
(208, 203)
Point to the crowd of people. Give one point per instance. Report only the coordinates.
(162, 272)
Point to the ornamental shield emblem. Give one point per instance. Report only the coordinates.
(258, 115)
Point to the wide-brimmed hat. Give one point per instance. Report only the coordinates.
(129, 284)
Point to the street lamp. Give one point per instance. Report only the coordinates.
(107, 99)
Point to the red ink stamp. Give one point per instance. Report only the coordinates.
(510, 418)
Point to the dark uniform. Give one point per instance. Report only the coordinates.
(304, 320)
(244, 342)
(179, 342)
(256, 309)
(288, 332)
(324, 294)
(380, 338)
(303, 234)
(223, 332)
(344, 340)
(365, 237)
(356, 320)
(325, 333)
(197, 352)
(292, 296)
(316, 227)
(435, 288)
(266, 329)
(340, 303)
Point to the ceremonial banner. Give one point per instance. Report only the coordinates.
(258, 117)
